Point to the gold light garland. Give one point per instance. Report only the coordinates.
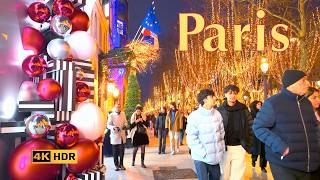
(143, 55)
(197, 68)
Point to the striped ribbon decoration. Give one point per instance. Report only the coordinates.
(92, 175)
(64, 73)
(30, 106)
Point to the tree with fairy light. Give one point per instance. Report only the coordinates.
(199, 68)
(133, 96)
(136, 57)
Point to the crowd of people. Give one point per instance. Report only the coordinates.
(284, 130)
(141, 126)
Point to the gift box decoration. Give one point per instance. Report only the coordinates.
(92, 175)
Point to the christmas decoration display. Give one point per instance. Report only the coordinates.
(59, 70)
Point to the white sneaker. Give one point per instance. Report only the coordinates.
(172, 153)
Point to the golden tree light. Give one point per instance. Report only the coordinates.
(143, 55)
(198, 68)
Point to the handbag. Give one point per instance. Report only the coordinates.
(141, 129)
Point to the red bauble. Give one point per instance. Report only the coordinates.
(63, 7)
(80, 20)
(32, 39)
(34, 65)
(146, 32)
(82, 91)
(21, 167)
(70, 58)
(67, 135)
(70, 177)
(48, 89)
(38, 12)
(88, 156)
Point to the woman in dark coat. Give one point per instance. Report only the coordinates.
(257, 147)
(313, 95)
(139, 134)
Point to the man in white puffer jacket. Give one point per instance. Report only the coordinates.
(205, 137)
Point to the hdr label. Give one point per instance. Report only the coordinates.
(57, 156)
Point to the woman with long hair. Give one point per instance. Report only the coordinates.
(313, 95)
(257, 147)
(139, 135)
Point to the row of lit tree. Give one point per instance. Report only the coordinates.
(198, 68)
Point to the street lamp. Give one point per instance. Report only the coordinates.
(264, 66)
(246, 97)
(111, 87)
(116, 92)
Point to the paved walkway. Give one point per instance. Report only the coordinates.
(154, 161)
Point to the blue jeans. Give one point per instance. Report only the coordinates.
(206, 171)
(181, 136)
(162, 134)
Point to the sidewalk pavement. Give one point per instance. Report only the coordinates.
(164, 166)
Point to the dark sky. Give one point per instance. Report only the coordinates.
(167, 12)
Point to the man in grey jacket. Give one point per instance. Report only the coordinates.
(205, 137)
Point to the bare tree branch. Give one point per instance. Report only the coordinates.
(285, 12)
(296, 29)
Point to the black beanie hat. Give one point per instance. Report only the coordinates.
(291, 76)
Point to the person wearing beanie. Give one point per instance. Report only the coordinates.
(286, 124)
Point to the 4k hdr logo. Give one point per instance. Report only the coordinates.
(54, 156)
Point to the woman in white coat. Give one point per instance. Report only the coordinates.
(117, 124)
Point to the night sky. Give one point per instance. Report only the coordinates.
(167, 12)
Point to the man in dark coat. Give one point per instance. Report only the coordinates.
(160, 127)
(237, 122)
(286, 124)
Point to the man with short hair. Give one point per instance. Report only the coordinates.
(237, 123)
(205, 137)
(286, 124)
(117, 123)
(174, 124)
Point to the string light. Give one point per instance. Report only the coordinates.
(198, 68)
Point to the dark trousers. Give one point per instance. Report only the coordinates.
(281, 173)
(206, 171)
(181, 136)
(263, 160)
(316, 174)
(118, 152)
(162, 134)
